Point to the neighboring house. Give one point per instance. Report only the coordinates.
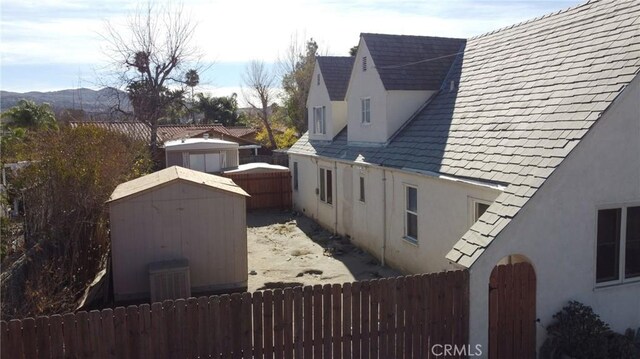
(205, 154)
(524, 148)
(140, 131)
(173, 218)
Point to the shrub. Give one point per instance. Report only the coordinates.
(71, 175)
(580, 333)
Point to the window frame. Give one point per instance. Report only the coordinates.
(366, 100)
(321, 121)
(295, 175)
(406, 236)
(473, 209)
(362, 189)
(325, 187)
(622, 279)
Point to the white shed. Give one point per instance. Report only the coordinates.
(209, 155)
(182, 216)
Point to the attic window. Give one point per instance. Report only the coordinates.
(318, 80)
(364, 63)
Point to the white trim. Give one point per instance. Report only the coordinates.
(472, 208)
(407, 211)
(622, 280)
(366, 100)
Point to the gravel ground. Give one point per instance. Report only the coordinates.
(286, 249)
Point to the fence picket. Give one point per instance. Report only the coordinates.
(267, 319)
(245, 326)
(158, 345)
(346, 321)
(70, 336)
(235, 321)
(288, 323)
(356, 321)
(57, 339)
(215, 335)
(204, 322)
(297, 322)
(307, 322)
(278, 323)
(365, 299)
(317, 321)
(258, 326)
(225, 326)
(96, 334)
(4, 338)
(15, 339)
(326, 321)
(29, 338)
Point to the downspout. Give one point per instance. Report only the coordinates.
(384, 215)
(335, 198)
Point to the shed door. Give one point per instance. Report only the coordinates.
(512, 311)
(209, 162)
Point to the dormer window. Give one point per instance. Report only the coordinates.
(319, 125)
(365, 105)
(364, 63)
(318, 76)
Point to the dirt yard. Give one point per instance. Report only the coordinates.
(288, 250)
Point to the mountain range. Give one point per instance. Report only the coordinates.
(88, 100)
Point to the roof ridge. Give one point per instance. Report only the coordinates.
(532, 20)
(421, 36)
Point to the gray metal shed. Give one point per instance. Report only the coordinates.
(177, 215)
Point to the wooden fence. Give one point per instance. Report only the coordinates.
(386, 318)
(267, 190)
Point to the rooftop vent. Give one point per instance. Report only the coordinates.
(206, 136)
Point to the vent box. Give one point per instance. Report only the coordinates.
(169, 280)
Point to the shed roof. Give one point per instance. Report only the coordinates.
(336, 71)
(171, 174)
(407, 62)
(527, 95)
(198, 144)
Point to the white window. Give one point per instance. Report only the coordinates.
(295, 176)
(362, 189)
(319, 125)
(411, 214)
(364, 63)
(618, 245)
(326, 186)
(365, 105)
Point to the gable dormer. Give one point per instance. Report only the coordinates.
(393, 75)
(326, 105)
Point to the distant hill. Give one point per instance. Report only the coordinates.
(90, 101)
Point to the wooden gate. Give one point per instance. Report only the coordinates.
(267, 190)
(512, 311)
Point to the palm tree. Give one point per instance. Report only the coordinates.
(192, 79)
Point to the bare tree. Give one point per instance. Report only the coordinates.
(150, 55)
(259, 93)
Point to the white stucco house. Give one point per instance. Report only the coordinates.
(520, 145)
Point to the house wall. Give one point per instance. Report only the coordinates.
(175, 158)
(335, 111)
(443, 217)
(179, 220)
(401, 105)
(366, 84)
(556, 230)
(443, 211)
(389, 109)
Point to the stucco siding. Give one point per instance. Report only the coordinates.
(178, 220)
(366, 84)
(401, 105)
(556, 230)
(318, 97)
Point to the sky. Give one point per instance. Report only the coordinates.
(51, 45)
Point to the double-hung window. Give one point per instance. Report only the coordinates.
(411, 214)
(319, 125)
(326, 185)
(365, 106)
(618, 245)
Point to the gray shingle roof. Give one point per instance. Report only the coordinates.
(412, 62)
(527, 95)
(336, 71)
